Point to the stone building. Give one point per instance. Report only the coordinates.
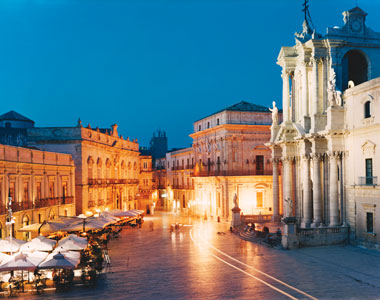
(147, 186)
(107, 165)
(230, 159)
(160, 180)
(13, 128)
(41, 185)
(327, 140)
(180, 189)
(158, 145)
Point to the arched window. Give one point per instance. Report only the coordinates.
(99, 165)
(355, 68)
(122, 165)
(51, 215)
(90, 164)
(26, 222)
(367, 109)
(108, 168)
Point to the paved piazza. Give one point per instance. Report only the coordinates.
(196, 262)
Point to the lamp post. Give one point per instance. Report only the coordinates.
(10, 219)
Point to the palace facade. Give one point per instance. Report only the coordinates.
(107, 165)
(230, 158)
(180, 190)
(41, 185)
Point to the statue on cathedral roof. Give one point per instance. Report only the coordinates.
(274, 111)
(334, 96)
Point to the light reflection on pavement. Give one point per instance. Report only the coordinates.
(167, 264)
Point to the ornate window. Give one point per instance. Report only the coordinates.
(367, 109)
(90, 169)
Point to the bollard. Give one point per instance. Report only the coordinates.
(218, 219)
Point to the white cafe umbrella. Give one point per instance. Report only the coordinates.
(72, 256)
(5, 245)
(44, 228)
(23, 261)
(107, 220)
(39, 243)
(75, 238)
(120, 213)
(109, 217)
(57, 260)
(4, 257)
(70, 245)
(132, 213)
(86, 225)
(138, 211)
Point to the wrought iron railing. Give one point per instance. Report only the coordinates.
(39, 203)
(206, 173)
(105, 181)
(372, 180)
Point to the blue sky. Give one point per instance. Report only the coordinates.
(149, 64)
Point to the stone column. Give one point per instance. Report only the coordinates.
(45, 186)
(285, 95)
(334, 203)
(6, 187)
(314, 86)
(317, 199)
(276, 188)
(18, 189)
(287, 178)
(304, 90)
(306, 218)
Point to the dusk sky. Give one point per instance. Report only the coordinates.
(149, 64)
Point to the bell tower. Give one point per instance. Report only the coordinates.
(354, 20)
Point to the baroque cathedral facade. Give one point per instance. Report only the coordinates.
(326, 145)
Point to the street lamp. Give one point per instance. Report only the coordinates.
(10, 219)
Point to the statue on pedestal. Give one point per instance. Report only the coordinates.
(236, 220)
(274, 111)
(236, 201)
(288, 209)
(334, 96)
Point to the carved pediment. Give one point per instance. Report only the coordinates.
(368, 148)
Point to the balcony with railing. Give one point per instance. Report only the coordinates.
(53, 201)
(205, 173)
(105, 181)
(363, 180)
(40, 203)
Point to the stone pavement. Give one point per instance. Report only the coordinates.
(166, 264)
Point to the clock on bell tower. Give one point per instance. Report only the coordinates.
(354, 20)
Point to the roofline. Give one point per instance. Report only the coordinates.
(11, 119)
(241, 111)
